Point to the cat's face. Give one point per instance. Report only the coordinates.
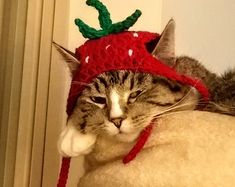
(122, 103)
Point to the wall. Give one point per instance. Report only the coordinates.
(25, 66)
(204, 30)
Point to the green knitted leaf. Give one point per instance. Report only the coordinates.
(89, 32)
(126, 24)
(105, 22)
(104, 16)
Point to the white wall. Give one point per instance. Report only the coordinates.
(205, 29)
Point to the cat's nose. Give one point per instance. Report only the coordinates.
(117, 122)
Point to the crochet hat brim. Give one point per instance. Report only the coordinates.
(122, 51)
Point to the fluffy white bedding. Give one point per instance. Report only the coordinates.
(190, 149)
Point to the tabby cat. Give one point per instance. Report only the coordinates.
(121, 104)
(222, 87)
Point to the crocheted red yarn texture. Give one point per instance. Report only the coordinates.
(122, 51)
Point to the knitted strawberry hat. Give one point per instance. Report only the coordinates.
(114, 48)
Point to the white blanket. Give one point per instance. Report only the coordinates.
(192, 148)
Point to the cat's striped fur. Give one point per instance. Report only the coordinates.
(120, 103)
(221, 87)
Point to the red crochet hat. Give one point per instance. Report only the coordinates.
(122, 51)
(112, 48)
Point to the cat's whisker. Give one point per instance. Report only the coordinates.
(167, 114)
(96, 127)
(95, 130)
(221, 105)
(79, 83)
(173, 107)
(170, 109)
(177, 105)
(182, 99)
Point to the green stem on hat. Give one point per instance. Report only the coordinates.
(126, 24)
(104, 16)
(89, 32)
(105, 22)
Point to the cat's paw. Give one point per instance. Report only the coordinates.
(73, 143)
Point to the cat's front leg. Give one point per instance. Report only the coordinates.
(74, 143)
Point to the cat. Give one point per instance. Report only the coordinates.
(117, 105)
(120, 104)
(221, 87)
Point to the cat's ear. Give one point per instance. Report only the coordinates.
(165, 48)
(69, 57)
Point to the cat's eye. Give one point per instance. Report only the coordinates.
(175, 88)
(135, 94)
(98, 100)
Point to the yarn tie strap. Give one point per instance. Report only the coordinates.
(139, 144)
(64, 172)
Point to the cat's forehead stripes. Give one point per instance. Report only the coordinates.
(97, 87)
(127, 80)
(132, 82)
(103, 81)
(125, 76)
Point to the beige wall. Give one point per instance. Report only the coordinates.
(204, 29)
